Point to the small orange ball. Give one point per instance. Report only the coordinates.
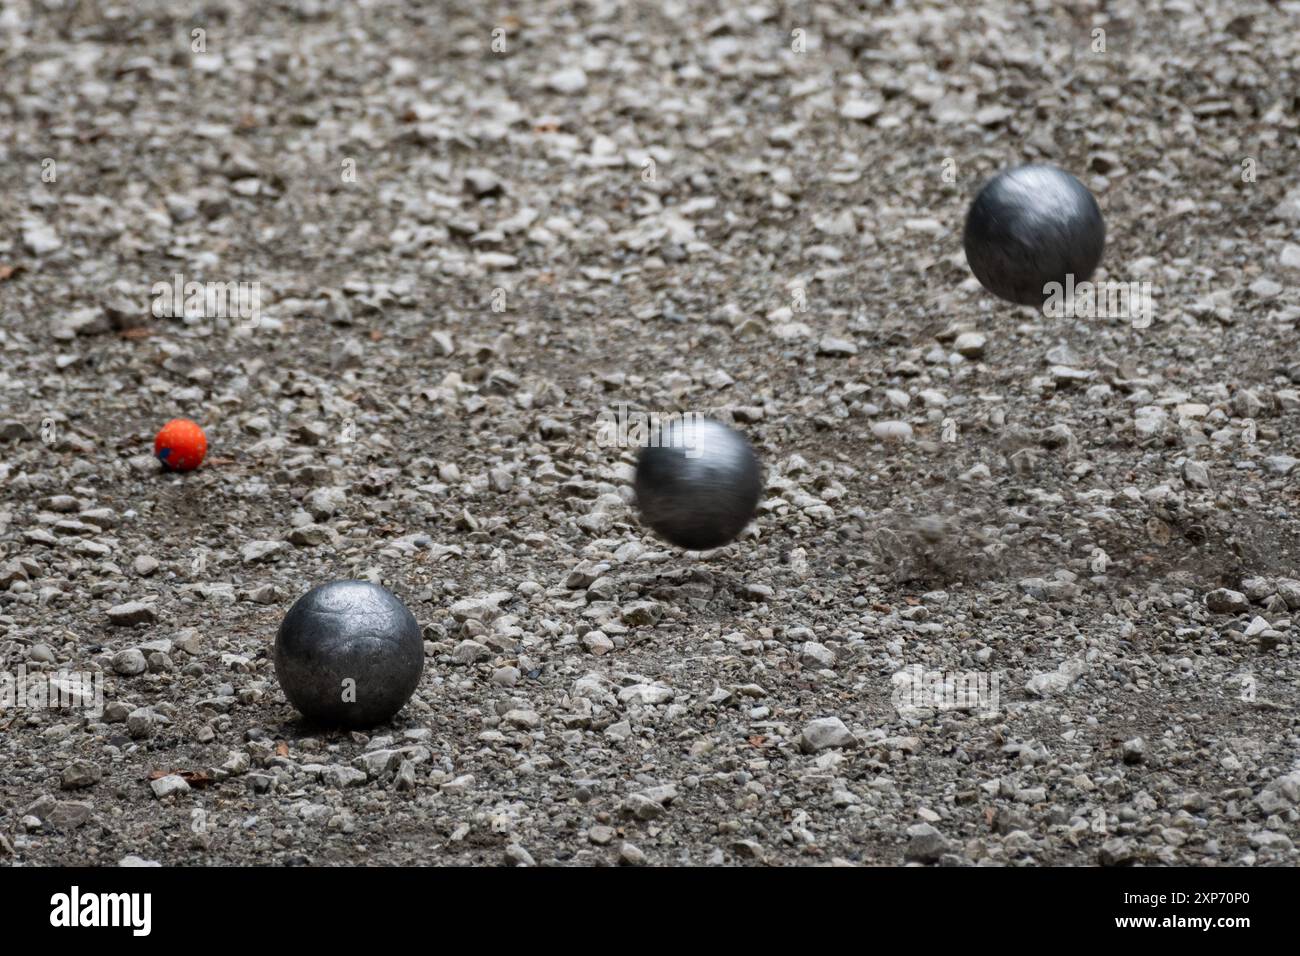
(180, 445)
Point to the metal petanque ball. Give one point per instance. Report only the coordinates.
(349, 654)
(1029, 226)
(698, 483)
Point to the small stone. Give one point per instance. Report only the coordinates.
(80, 774)
(1288, 589)
(482, 182)
(129, 662)
(1269, 840)
(892, 431)
(642, 613)
(132, 613)
(925, 844)
(405, 779)
(516, 855)
(341, 777)
(641, 807)
(257, 552)
(1196, 474)
(189, 641)
(570, 80)
(312, 535)
(523, 719)
(237, 762)
(42, 654)
(469, 652)
(816, 655)
(1133, 751)
(791, 331)
(1116, 852)
(584, 575)
(144, 464)
(1266, 288)
(836, 348)
(262, 594)
(970, 344)
(67, 815)
(324, 503)
(600, 835)
(13, 430)
(1225, 601)
(460, 784)
(647, 695)
(39, 237)
(169, 786)
(825, 733)
(1148, 420)
(1280, 465)
(376, 763)
(856, 108)
(630, 855)
(597, 643)
(482, 608)
(140, 723)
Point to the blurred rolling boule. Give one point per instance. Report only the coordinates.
(698, 486)
(1030, 226)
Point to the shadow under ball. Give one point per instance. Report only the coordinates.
(699, 485)
(1029, 226)
(349, 654)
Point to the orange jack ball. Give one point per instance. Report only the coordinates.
(180, 445)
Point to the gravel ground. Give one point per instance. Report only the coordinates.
(468, 248)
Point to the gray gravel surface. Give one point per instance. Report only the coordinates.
(465, 255)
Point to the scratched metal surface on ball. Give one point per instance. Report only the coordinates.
(349, 631)
(1030, 226)
(700, 485)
